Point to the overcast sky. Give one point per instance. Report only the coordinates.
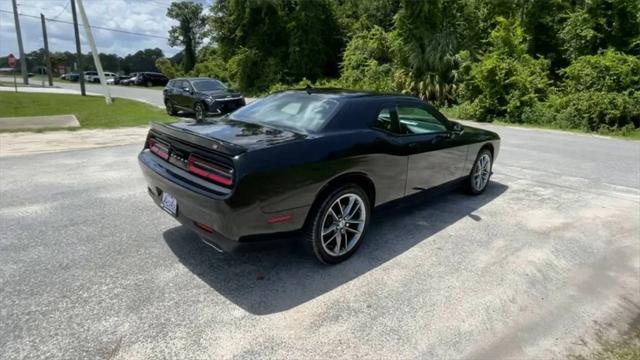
(140, 16)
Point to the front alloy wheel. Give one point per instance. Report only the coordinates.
(339, 224)
(481, 172)
(199, 111)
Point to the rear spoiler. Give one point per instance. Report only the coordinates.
(215, 145)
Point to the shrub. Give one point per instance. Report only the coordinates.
(367, 61)
(166, 67)
(609, 71)
(251, 72)
(506, 80)
(212, 67)
(588, 110)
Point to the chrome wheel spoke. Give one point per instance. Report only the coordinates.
(337, 249)
(329, 230)
(352, 230)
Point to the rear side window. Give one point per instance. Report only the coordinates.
(384, 121)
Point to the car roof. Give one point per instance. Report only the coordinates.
(195, 78)
(350, 94)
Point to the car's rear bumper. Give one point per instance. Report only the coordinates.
(225, 228)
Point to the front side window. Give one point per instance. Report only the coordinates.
(416, 120)
(296, 111)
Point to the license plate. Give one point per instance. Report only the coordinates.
(169, 204)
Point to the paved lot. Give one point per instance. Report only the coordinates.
(547, 257)
(151, 96)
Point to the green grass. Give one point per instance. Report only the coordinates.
(91, 111)
(625, 348)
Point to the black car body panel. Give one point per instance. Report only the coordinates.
(184, 96)
(279, 173)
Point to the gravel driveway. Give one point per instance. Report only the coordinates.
(548, 257)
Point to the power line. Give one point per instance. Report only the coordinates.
(93, 27)
(61, 12)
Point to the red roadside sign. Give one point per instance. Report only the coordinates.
(11, 60)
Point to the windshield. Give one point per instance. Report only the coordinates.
(292, 110)
(208, 85)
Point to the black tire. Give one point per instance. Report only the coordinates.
(474, 187)
(319, 217)
(198, 111)
(171, 110)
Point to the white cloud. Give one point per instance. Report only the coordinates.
(140, 16)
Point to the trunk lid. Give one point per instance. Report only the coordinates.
(234, 137)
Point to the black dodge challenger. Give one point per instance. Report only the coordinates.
(316, 161)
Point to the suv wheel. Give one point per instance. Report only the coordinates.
(170, 109)
(198, 110)
(338, 226)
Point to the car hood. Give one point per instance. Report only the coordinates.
(220, 94)
(246, 135)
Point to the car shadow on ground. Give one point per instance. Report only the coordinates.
(275, 280)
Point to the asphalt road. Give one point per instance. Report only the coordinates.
(151, 96)
(546, 259)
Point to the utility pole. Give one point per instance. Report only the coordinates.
(23, 58)
(46, 50)
(78, 51)
(94, 52)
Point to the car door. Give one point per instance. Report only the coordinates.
(435, 157)
(179, 96)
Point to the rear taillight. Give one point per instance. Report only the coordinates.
(210, 171)
(158, 148)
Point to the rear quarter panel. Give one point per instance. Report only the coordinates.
(290, 176)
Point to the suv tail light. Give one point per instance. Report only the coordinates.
(210, 171)
(158, 148)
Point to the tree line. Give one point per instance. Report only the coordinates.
(142, 60)
(564, 63)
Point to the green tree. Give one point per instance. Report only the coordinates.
(506, 80)
(429, 35)
(602, 24)
(368, 61)
(356, 15)
(313, 44)
(189, 31)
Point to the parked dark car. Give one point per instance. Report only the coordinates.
(149, 79)
(200, 96)
(308, 162)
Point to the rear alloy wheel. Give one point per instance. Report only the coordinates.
(481, 172)
(338, 226)
(171, 110)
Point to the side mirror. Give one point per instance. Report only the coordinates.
(457, 129)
